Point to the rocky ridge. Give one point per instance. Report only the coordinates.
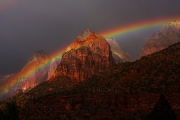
(167, 35)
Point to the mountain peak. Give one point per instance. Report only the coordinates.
(84, 35)
(167, 35)
(86, 38)
(87, 55)
(174, 22)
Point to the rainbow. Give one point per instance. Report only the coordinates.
(25, 74)
(134, 27)
(121, 30)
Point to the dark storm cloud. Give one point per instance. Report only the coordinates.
(31, 25)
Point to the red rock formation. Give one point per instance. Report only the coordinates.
(87, 55)
(52, 67)
(168, 35)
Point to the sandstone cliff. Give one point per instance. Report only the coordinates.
(52, 67)
(118, 54)
(87, 55)
(168, 35)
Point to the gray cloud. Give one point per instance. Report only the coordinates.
(49, 25)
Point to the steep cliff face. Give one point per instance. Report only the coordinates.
(118, 54)
(27, 82)
(87, 55)
(168, 35)
(52, 67)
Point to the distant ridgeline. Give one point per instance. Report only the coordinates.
(167, 35)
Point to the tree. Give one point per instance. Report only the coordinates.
(162, 110)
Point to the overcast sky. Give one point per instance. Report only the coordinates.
(49, 25)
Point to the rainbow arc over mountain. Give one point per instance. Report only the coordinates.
(121, 30)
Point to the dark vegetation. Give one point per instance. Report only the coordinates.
(10, 112)
(156, 73)
(151, 75)
(162, 111)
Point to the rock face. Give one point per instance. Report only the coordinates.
(118, 54)
(87, 55)
(27, 82)
(168, 35)
(52, 67)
